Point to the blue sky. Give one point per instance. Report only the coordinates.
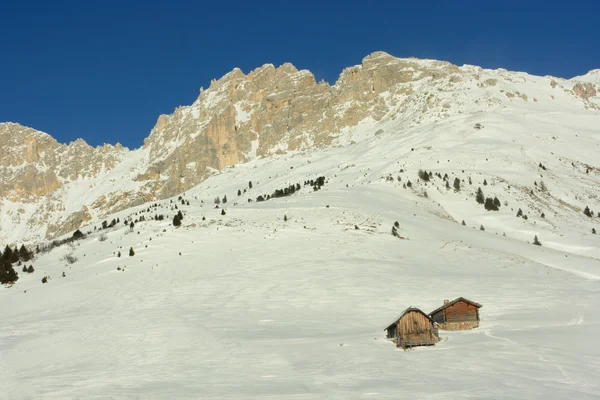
(105, 71)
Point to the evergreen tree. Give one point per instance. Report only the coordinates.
(180, 215)
(484, 182)
(30, 269)
(497, 202)
(7, 272)
(489, 204)
(223, 212)
(543, 215)
(480, 197)
(409, 184)
(250, 185)
(447, 185)
(520, 213)
(594, 231)
(463, 222)
(481, 228)
(239, 192)
(15, 255)
(397, 224)
(119, 254)
(131, 225)
(6, 254)
(25, 254)
(131, 252)
(457, 184)
(423, 175)
(225, 199)
(587, 211)
(536, 241)
(24, 268)
(470, 182)
(176, 220)
(285, 218)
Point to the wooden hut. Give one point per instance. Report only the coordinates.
(457, 315)
(412, 328)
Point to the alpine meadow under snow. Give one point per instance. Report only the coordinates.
(289, 297)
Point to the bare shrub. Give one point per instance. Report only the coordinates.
(102, 237)
(70, 258)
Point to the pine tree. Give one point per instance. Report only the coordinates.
(131, 225)
(15, 255)
(217, 200)
(408, 184)
(176, 220)
(481, 228)
(223, 212)
(285, 218)
(24, 254)
(131, 252)
(180, 215)
(119, 254)
(239, 192)
(30, 269)
(7, 273)
(489, 204)
(447, 185)
(587, 211)
(397, 224)
(225, 199)
(536, 241)
(543, 215)
(457, 184)
(250, 185)
(24, 268)
(520, 213)
(463, 223)
(497, 202)
(594, 231)
(423, 175)
(480, 197)
(484, 182)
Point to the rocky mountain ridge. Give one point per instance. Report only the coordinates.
(48, 189)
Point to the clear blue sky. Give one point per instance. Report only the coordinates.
(105, 70)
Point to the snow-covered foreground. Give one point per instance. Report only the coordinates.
(247, 305)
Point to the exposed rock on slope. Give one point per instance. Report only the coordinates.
(48, 189)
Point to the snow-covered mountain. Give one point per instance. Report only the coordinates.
(288, 297)
(48, 189)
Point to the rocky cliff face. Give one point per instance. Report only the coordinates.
(48, 189)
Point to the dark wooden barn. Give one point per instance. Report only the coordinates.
(457, 315)
(412, 328)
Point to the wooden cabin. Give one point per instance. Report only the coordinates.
(412, 328)
(457, 315)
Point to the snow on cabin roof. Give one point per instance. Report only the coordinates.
(409, 309)
(453, 302)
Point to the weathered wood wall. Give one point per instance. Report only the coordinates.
(461, 311)
(415, 329)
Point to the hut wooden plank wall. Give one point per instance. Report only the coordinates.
(412, 328)
(457, 315)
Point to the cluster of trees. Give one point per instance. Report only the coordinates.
(427, 176)
(316, 184)
(490, 204)
(177, 219)
(8, 257)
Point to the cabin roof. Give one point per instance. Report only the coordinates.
(409, 309)
(454, 302)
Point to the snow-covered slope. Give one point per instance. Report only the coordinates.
(247, 305)
(276, 110)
